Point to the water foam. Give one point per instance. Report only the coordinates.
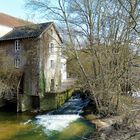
(55, 122)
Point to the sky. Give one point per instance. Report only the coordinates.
(17, 9)
(14, 8)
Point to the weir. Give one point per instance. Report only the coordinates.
(61, 118)
(55, 100)
(49, 101)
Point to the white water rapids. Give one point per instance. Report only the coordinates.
(59, 119)
(55, 122)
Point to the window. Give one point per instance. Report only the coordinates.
(52, 64)
(17, 62)
(51, 48)
(51, 31)
(17, 45)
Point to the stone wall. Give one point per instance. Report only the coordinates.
(55, 100)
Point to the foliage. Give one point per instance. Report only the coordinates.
(9, 80)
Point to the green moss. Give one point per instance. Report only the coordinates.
(42, 82)
(55, 100)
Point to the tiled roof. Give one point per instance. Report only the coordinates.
(10, 21)
(28, 31)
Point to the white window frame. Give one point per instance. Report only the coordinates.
(17, 45)
(17, 62)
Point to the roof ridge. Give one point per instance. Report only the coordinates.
(10, 16)
(14, 17)
(33, 24)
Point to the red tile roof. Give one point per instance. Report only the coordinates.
(10, 21)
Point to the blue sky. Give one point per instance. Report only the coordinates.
(14, 8)
(17, 9)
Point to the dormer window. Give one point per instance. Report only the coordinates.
(17, 45)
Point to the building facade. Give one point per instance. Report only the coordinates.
(34, 52)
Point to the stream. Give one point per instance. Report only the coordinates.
(64, 123)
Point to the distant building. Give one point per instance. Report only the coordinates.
(64, 68)
(7, 23)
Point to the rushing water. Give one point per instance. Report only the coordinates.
(62, 124)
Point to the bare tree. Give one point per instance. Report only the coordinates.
(107, 31)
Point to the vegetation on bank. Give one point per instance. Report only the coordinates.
(124, 126)
(9, 80)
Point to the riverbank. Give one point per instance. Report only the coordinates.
(122, 127)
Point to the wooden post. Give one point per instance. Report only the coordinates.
(19, 105)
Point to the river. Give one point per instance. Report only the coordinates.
(64, 123)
